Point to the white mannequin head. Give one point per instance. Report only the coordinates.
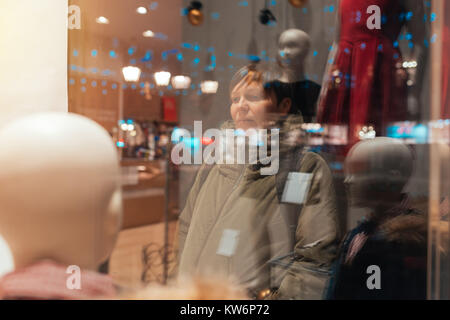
(60, 195)
(293, 48)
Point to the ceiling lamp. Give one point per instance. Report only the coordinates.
(209, 86)
(148, 34)
(298, 3)
(195, 14)
(266, 16)
(181, 82)
(141, 10)
(131, 74)
(410, 64)
(367, 132)
(102, 20)
(162, 78)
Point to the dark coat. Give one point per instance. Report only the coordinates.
(397, 246)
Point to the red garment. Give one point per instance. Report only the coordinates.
(366, 84)
(47, 280)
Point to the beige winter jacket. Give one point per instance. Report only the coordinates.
(234, 225)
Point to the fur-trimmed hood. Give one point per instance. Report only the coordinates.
(406, 228)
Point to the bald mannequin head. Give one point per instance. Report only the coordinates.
(60, 196)
(293, 48)
(376, 171)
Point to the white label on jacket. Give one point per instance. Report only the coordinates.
(228, 243)
(296, 187)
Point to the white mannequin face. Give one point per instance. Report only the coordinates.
(60, 196)
(293, 47)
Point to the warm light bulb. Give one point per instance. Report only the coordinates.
(131, 74)
(102, 20)
(148, 34)
(162, 78)
(181, 82)
(141, 10)
(209, 86)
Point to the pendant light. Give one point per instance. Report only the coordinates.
(162, 78)
(181, 82)
(298, 3)
(266, 16)
(131, 73)
(195, 14)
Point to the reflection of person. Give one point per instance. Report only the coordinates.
(393, 238)
(293, 49)
(60, 205)
(234, 222)
(366, 83)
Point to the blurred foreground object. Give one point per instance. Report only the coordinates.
(47, 280)
(195, 289)
(60, 196)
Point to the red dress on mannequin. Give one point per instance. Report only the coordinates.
(366, 84)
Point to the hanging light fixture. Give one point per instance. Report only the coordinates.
(195, 14)
(181, 82)
(131, 73)
(266, 16)
(148, 34)
(298, 3)
(209, 86)
(162, 78)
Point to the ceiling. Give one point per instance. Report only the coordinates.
(125, 24)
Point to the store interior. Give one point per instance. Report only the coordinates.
(147, 71)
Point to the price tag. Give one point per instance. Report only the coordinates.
(296, 187)
(228, 243)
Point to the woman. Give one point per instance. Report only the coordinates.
(235, 223)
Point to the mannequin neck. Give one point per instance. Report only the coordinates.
(382, 211)
(290, 75)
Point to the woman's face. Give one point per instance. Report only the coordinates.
(251, 107)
